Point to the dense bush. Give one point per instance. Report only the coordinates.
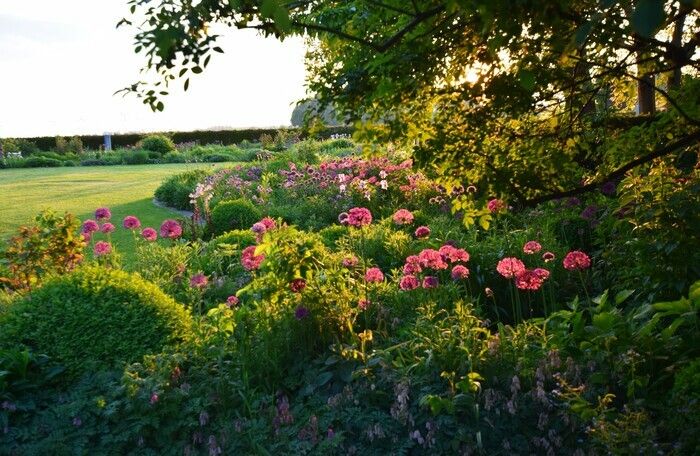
(175, 190)
(232, 215)
(42, 162)
(96, 318)
(136, 157)
(160, 144)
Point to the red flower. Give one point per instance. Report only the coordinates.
(543, 273)
(350, 261)
(510, 267)
(453, 254)
(199, 281)
(548, 256)
(495, 205)
(297, 285)
(576, 260)
(363, 304)
(232, 301)
(422, 232)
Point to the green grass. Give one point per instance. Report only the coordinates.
(126, 190)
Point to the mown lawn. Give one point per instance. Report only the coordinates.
(126, 190)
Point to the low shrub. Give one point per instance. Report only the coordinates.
(42, 162)
(96, 318)
(175, 190)
(175, 157)
(137, 157)
(239, 238)
(234, 214)
(160, 144)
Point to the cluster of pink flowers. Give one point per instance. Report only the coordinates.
(403, 217)
(149, 234)
(131, 223)
(264, 225)
(532, 247)
(250, 260)
(358, 217)
(496, 205)
(103, 214)
(199, 281)
(374, 275)
(102, 248)
(576, 260)
(170, 229)
(435, 260)
(350, 261)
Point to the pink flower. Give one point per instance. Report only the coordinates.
(154, 398)
(232, 301)
(374, 275)
(86, 236)
(412, 268)
(542, 273)
(531, 247)
(199, 281)
(350, 261)
(459, 272)
(170, 229)
(131, 223)
(149, 234)
(430, 258)
(359, 216)
(103, 213)
(576, 260)
(90, 226)
(430, 282)
(363, 304)
(496, 205)
(102, 248)
(528, 280)
(510, 267)
(422, 232)
(453, 254)
(297, 285)
(548, 256)
(258, 228)
(269, 223)
(249, 260)
(107, 228)
(409, 282)
(403, 217)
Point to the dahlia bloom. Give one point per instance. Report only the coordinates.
(301, 312)
(350, 261)
(422, 232)
(102, 248)
(430, 258)
(374, 275)
(510, 267)
(548, 256)
(430, 282)
(249, 260)
(131, 223)
(363, 304)
(453, 254)
(149, 234)
(459, 272)
(495, 205)
(90, 226)
(199, 281)
(170, 229)
(528, 280)
(403, 217)
(531, 247)
(409, 282)
(107, 228)
(297, 285)
(576, 260)
(232, 301)
(359, 216)
(103, 213)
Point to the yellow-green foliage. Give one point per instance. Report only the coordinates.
(96, 318)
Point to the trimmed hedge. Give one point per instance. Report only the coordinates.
(95, 319)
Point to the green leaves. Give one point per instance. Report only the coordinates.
(648, 17)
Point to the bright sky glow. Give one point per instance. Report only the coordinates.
(61, 62)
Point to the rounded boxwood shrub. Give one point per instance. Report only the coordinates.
(95, 319)
(157, 143)
(240, 238)
(175, 190)
(232, 215)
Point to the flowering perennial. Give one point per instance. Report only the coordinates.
(170, 229)
(576, 260)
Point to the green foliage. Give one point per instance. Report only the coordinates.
(159, 144)
(70, 145)
(232, 215)
(61, 319)
(175, 190)
(136, 157)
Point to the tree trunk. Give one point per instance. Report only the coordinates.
(646, 103)
(674, 80)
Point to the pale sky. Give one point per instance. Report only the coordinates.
(62, 60)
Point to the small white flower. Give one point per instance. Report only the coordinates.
(384, 184)
(383, 174)
(342, 188)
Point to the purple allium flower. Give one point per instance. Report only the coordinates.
(170, 229)
(609, 188)
(103, 213)
(589, 212)
(301, 312)
(107, 228)
(131, 222)
(102, 248)
(90, 226)
(149, 234)
(430, 282)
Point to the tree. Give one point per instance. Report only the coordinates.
(530, 99)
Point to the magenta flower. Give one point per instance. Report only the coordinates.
(359, 216)
(430, 282)
(528, 280)
(90, 226)
(430, 258)
(232, 301)
(453, 254)
(411, 268)
(531, 247)
(548, 256)
(149, 234)
(460, 272)
(269, 223)
(154, 398)
(542, 273)
(409, 282)
(103, 213)
(496, 205)
(170, 229)
(301, 312)
(576, 260)
(258, 228)
(297, 285)
(510, 267)
(107, 228)
(374, 275)
(363, 304)
(102, 248)
(422, 232)
(403, 217)
(86, 235)
(250, 260)
(350, 261)
(199, 281)
(131, 223)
